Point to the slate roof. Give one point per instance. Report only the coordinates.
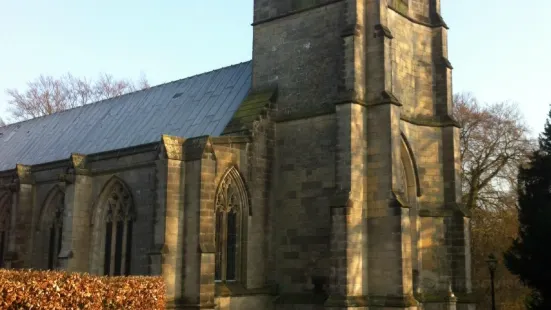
(199, 105)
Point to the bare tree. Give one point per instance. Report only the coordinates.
(2, 122)
(47, 94)
(494, 141)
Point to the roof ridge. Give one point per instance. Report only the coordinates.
(127, 94)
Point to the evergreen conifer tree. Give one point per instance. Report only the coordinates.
(529, 256)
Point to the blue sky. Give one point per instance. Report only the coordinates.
(499, 48)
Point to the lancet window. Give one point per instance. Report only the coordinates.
(230, 206)
(55, 232)
(118, 231)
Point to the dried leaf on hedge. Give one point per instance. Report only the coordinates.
(30, 289)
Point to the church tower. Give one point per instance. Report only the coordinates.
(365, 206)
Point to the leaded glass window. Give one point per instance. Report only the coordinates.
(55, 233)
(230, 205)
(118, 231)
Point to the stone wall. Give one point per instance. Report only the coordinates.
(141, 183)
(137, 171)
(302, 55)
(253, 159)
(412, 73)
(421, 80)
(269, 9)
(388, 152)
(304, 184)
(173, 186)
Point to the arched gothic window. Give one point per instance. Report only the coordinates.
(118, 231)
(4, 226)
(50, 230)
(402, 174)
(231, 206)
(411, 192)
(55, 230)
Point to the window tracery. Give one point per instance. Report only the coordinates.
(118, 230)
(230, 204)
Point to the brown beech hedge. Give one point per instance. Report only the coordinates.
(28, 289)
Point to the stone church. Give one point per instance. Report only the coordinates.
(322, 174)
